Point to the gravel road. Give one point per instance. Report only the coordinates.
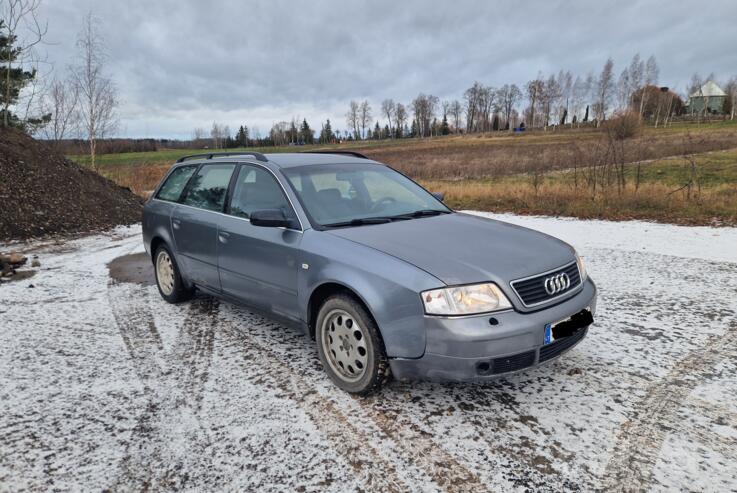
(105, 386)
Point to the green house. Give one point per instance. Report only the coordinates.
(709, 96)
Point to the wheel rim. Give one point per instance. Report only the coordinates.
(344, 345)
(165, 273)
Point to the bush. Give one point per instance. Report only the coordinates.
(624, 125)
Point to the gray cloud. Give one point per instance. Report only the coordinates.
(180, 64)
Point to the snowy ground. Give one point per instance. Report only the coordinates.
(103, 385)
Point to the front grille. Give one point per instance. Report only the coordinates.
(556, 348)
(532, 290)
(512, 363)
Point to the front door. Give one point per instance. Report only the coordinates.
(194, 224)
(259, 264)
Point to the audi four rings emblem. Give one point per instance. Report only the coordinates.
(557, 283)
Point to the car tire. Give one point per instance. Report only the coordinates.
(350, 346)
(168, 279)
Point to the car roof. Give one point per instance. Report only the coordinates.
(282, 159)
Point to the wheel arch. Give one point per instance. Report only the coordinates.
(156, 242)
(324, 291)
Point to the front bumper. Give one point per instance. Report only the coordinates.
(471, 348)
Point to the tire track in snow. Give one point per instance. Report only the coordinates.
(173, 385)
(412, 446)
(640, 438)
(372, 468)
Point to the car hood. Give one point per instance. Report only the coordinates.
(461, 248)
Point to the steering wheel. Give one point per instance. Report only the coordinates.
(382, 203)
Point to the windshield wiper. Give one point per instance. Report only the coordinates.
(359, 222)
(421, 213)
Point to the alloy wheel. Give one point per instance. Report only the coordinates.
(344, 345)
(165, 272)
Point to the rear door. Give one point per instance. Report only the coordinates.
(194, 223)
(259, 264)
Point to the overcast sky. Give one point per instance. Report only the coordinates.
(181, 64)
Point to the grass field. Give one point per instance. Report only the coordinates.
(686, 173)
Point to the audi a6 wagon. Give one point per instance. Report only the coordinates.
(386, 278)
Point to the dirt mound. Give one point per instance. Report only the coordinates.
(43, 193)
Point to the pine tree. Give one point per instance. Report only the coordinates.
(306, 134)
(377, 131)
(444, 127)
(12, 80)
(241, 138)
(326, 135)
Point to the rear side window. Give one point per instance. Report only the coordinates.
(172, 188)
(209, 186)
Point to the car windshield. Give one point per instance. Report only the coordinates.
(340, 195)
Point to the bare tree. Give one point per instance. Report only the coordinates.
(549, 99)
(198, 136)
(389, 108)
(400, 118)
(565, 85)
(604, 88)
(219, 133)
(15, 15)
(61, 103)
(456, 109)
(579, 95)
(423, 107)
(731, 90)
(534, 89)
(636, 74)
(508, 95)
(364, 117)
(352, 119)
(624, 89)
(98, 99)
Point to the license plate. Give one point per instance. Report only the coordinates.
(550, 337)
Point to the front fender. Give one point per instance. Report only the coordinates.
(389, 287)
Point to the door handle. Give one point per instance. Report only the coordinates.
(175, 223)
(223, 237)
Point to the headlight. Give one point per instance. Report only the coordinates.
(465, 300)
(581, 268)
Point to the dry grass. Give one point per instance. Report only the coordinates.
(713, 205)
(533, 173)
(140, 179)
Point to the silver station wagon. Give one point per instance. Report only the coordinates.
(386, 278)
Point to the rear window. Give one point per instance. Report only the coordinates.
(172, 188)
(209, 187)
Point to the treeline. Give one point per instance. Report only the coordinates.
(282, 133)
(554, 100)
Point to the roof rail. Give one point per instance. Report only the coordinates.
(348, 153)
(211, 155)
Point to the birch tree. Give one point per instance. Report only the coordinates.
(400, 117)
(388, 108)
(61, 103)
(352, 119)
(98, 99)
(364, 117)
(604, 88)
(731, 91)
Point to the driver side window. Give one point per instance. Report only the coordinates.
(257, 189)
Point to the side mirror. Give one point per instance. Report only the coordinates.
(270, 218)
(438, 195)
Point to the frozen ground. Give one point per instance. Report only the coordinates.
(103, 385)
